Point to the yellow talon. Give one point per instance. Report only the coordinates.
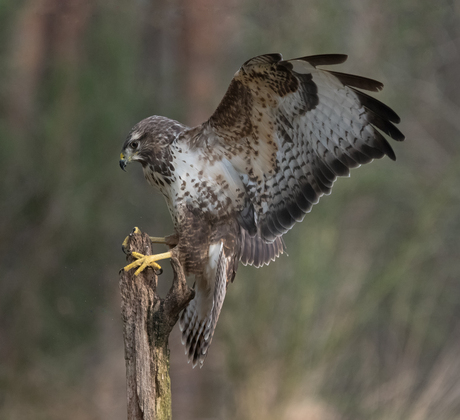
(144, 261)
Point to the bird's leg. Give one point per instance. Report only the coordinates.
(144, 261)
(158, 240)
(171, 240)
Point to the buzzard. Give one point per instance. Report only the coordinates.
(282, 134)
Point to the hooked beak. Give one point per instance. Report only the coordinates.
(123, 162)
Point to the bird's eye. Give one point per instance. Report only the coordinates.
(134, 145)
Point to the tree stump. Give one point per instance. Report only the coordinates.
(147, 322)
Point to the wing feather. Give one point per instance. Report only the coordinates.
(377, 107)
(358, 81)
(324, 59)
(290, 129)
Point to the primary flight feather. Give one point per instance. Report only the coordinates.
(235, 184)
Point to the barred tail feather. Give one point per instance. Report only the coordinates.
(258, 252)
(192, 334)
(198, 324)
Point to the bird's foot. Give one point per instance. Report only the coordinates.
(144, 261)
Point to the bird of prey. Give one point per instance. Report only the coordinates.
(234, 185)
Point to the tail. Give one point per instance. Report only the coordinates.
(257, 252)
(198, 321)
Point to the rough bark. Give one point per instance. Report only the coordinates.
(147, 322)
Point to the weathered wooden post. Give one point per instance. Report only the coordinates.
(147, 322)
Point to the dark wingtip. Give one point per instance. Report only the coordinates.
(358, 81)
(324, 59)
(390, 153)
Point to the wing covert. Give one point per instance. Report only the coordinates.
(290, 129)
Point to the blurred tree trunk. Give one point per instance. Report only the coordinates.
(47, 35)
(200, 45)
(46, 50)
(48, 32)
(207, 25)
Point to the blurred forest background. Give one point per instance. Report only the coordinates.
(361, 321)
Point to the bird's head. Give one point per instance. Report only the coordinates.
(136, 146)
(149, 141)
(131, 151)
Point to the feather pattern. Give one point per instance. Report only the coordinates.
(257, 252)
(290, 129)
(282, 134)
(198, 321)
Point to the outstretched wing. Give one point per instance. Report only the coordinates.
(289, 129)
